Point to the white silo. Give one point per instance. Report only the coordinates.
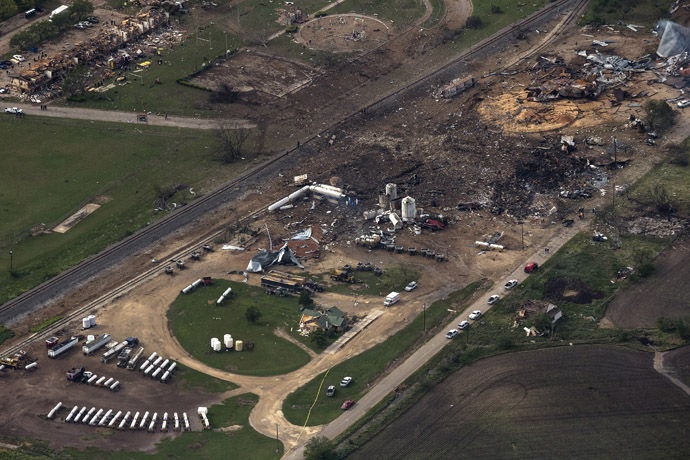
(408, 209)
(392, 191)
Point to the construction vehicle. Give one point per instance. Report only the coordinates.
(343, 274)
(75, 374)
(15, 362)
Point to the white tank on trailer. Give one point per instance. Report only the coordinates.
(148, 371)
(96, 416)
(113, 421)
(71, 414)
(165, 376)
(153, 356)
(133, 425)
(124, 421)
(188, 289)
(186, 421)
(115, 386)
(88, 415)
(158, 361)
(93, 379)
(57, 407)
(105, 417)
(197, 283)
(142, 425)
(144, 366)
(100, 381)
(156, 373)
(164, 364)
(108, 382)
(172, 367)
(81, 414)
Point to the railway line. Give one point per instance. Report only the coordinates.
(60, 284)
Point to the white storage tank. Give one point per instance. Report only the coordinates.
(85, 323)
(115, 386)
(408, 209)
(144, 366)
(392, 191)
(148, 371)
(165, 363)
(239, 345)
(156, 373)
(153, 356)
(172, 367)
(108, 382)
(227, 340)
(217, 345)
(158, 361)
(165, 376)
(92, 320)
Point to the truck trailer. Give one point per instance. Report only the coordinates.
(89, 347)
(62, 347)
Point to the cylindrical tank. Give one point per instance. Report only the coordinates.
(164, 364)
(156, 373)
(239, 345)
(392, 191)
(227, 340)
(384, 201)
(115, 386)
(158, 361)
(172, 367)
(100, 381)
(148, 370)
(92, 320)
(153, 356)
(144, 366)
(85, 323)
(90, 338)
(213, 342)
(227, 292)
(188, 289)
(216, 345)
(165, 376)
(108, 382)
(197, 283)
(408, 209)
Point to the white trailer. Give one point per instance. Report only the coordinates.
(92, 345)
(60, 348)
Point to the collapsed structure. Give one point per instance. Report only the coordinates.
(99, 47)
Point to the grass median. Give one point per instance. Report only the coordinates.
(369, 365)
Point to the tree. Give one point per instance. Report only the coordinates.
(82, 8)
(7, 8)
(660, 115)
(232, 143)
(253, 314)
(473, 22)
(320, 448)
(319, 338)
(305, 300)
(662, 200)
(75, 82)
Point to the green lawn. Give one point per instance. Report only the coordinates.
(394, 278)
(195, 319)
(190, 380)
(260, 16)
(437, 13)
(400, 12)
(367, 366)
(58, 165)
(243, 443)
(643, 12)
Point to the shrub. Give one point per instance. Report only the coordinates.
(660, 115)
(291, 29)
(495, 9)
(252, 314)
(320, 14)
(665, 324)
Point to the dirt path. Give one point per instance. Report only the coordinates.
(131, 117)
(457, 12)
(666, 372)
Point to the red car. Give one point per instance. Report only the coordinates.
(531, 267)
(347, 404)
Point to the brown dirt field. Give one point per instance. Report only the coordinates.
(584, 402)
(343, 33)
(678, 361)
(662, 294)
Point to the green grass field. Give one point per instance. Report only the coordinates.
(58, 165)
(643, 12)
(437, 13)
(192, 319)
(259, 16)
(394, 278)
(242, 443)
(367, 366)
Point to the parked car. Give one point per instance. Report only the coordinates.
(493, 299)
(19, 57)
(347, 404)
(451, 334)
(531, 267)
(411, 287)
(93, 19)
(463, 325)
(511, 284)
(346, 381)
(330, 392)
(3, 90)
(684, 103)
(475, 314)
(12, 110)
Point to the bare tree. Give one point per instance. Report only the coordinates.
(232, 142)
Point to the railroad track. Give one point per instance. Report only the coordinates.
(46, 289)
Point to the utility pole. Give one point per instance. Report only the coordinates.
(613, 184)
(11, 261)
(424, 316)
(522, 232)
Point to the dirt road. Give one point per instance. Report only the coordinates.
(131, 117)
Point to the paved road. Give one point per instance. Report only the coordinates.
(130, 117)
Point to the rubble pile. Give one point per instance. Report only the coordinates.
(660, 228)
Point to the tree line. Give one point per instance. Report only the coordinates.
(41, 31)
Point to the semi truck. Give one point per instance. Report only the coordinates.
(62, 347)
(89, 347)
(110, 354)
(123, 357)
(131, 364)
